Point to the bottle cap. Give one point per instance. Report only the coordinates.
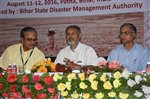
(148, 63)
(9, 65)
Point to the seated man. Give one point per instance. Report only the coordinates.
(76, 54)
(24, 53)
(130, 54)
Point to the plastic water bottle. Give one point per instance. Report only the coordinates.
(148, 68)
(9, 69)
(14, 69)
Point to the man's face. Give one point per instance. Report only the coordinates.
(126, 35)
(73, 36)
(29, 40)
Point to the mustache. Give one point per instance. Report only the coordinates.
(70, 39)
(70, 42)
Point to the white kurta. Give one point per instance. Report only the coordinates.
(82, 55)
(12, 55)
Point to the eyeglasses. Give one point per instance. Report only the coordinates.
(30, 39)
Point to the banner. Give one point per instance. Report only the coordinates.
(64, 8)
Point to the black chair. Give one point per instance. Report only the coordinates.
(52, 58)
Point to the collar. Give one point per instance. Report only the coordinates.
(77, 48)
(25, 51)
(133, 48)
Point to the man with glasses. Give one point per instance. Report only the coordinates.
(131, 55)
(25, 53)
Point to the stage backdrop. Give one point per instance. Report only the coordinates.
(99, 21)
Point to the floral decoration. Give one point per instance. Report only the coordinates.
(44, 66)
(62, 68)
(111, 65)
(106, 81)
(28, 86)
(103, 66)
(101, 85)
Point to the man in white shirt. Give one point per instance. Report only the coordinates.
(76, 54)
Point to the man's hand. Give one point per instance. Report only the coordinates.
(71, 64)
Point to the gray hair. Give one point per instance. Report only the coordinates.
(131, 26)
(73, 26)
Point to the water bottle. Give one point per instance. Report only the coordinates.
(14, 69)
(9, 69)
(148, 68)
